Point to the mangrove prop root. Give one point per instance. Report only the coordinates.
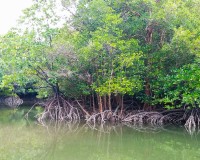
(192, 120)
(153, 118)
(133, 118)
(58, 109)
(102, 117)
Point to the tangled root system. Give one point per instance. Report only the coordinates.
(58, 109)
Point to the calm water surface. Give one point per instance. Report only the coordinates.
(23, 140)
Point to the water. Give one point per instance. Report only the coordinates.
(23, 140)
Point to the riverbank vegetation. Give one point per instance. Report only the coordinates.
(107, 60)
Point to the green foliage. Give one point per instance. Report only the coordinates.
(107, 47)
(111, 56)
(181, 88)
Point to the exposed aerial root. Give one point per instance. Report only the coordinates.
(101, 118)
(133, 118)
(153, 118)
(192, 118)
(58, 109)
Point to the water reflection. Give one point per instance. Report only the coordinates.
(77, 141)
(119, 142)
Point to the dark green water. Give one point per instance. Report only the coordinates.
(22, 140)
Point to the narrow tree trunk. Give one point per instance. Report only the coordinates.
(93, 103)
(105, 102)
(100, 103)
(149, 38)
(119, 102)
(56, 90)
(59, 103)
(148, 94)
(109, 102)
(122, 105)
(90, 98)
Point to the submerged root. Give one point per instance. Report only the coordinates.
(192, 120)
(102, 117)
(140, 118)
(134, 118)
(190, 124)
(58, 109)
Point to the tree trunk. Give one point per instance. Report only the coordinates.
(100, 103)
(122, 105)
(109, 102)
(149, 37)
(105, 102)
(148, 94)
(119, 102)
(56, 90)
(93, 103)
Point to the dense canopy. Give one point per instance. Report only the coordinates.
(108, 54)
